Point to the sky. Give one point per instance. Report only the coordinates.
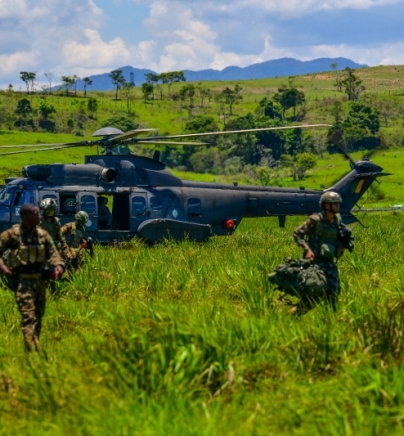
(86, 37)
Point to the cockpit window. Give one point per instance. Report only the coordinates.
(138, 206)
(23, 197)
(5, 197)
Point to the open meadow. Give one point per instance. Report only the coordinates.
(191, 339)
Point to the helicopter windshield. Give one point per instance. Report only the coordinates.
(5, 196)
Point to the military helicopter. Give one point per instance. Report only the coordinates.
(149, 202)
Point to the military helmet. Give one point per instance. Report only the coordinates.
(82, 217)
(48, 204)
(330, 197)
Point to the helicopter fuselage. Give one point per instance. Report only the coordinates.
(148, 201)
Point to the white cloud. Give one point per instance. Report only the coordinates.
(95, 53)
(384, 54)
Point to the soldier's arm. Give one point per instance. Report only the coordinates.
(300, 234)
(65, 228)
(63, 244)
(6, 242)
(52, 254)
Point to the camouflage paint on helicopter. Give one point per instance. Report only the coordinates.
(148, 201)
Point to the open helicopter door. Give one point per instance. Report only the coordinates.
(88, 203)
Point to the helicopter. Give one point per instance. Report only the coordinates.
(148, 201)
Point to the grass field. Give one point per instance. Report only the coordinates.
(190, 339)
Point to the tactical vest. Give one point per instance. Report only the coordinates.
(26, 254)
(52, 227)
(323, 241)
(74, 236)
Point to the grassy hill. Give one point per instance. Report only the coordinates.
(384, 89)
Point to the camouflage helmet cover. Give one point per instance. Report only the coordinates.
(82, 217)
(330, 197)
(48, 204)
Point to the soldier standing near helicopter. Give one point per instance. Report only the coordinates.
(31, 249)
(324, 237)
(75, 236)
(51, 224)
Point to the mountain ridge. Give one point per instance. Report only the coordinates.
(282, 67)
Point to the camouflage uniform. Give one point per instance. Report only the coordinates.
(75, 236)
(30, 251)
(320, 235)
(54, 228)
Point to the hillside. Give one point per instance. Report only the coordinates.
(275, 68)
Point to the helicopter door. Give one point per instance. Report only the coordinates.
(88, 203)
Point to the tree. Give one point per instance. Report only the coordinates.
(358, 130)
(49, 76)
(271, 109)
(28, 78)
(201, 124)
(46, 109)
(80, 119)
(128, 88)
(24, 108)
(171, 77)
(203, 93)
(121, 122)
(92, 106)
(86, 82)
(118, 80)
(75, 79)
(68, 82)
(338, 83)
(188, 92)
(289, 97)
(147, 90)
(232, 97)
(336, 111)
(299, 164)
(352, 84)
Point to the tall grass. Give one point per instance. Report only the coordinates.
(191, 339)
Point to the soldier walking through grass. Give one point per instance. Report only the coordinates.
(51, 224)
(320, 238)
(75, 236)
(31, 249)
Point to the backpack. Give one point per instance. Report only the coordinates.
(300, 278)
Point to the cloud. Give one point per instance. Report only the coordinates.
(95, 53)
(385, 54)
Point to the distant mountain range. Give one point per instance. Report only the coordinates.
(275, 68)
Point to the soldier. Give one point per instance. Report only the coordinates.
(104, 214)
(318, 236)
(52, 225)
(75, 236)
(31, 248)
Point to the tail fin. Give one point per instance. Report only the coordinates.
(352, 186)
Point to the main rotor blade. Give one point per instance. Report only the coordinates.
(232, 132)
(171, 143)
(44, 149)
(48, 145)
(130, 134)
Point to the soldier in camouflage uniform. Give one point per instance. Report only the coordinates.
(75, 236)
(318, 236)
(51, 224)
(31, 249)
